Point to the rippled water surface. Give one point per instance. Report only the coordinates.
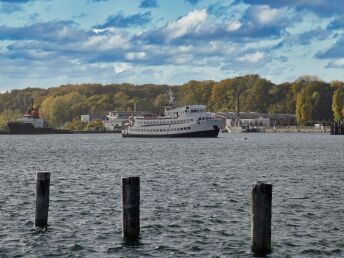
(195, 194)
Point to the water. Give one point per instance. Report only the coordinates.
(195, 194)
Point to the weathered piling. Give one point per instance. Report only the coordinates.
(337, 128)
(261, 218)
(131, 207)
(42, 199)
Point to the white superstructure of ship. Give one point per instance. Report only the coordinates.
(187, 121)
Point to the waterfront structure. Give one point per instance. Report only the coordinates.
(115, 120)
(88, 118)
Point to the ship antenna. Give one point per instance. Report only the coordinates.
(171, 97)
(238, 107)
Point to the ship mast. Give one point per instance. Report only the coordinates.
(171, 97)
(170, 101)
(237, 108)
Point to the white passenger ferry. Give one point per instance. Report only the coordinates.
(187, 121)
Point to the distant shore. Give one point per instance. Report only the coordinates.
(279, 129)
(297, 129)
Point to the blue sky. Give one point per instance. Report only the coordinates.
(53, 42)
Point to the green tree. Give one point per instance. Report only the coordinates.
(338, 104)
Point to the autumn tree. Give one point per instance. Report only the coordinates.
(8, 115)
(338, 104)
(196, 92)
(161, 100)
(95, 125)
(303, 108)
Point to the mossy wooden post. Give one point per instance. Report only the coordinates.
(42, 199)
(261, 218)
(131, 207)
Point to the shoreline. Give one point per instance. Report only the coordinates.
(280, 129)
(70, 132)
(297, 129)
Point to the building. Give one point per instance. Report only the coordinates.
(88, 118)
(261, 120)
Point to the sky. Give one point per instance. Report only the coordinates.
(46, 43)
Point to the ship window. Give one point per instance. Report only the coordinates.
(189, 128)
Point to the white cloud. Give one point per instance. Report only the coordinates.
(106, 41)
(265, 15)
(121, 67)
(234, 25)
(135, 55)
(252, 57)
(192, 21)
(338, 63)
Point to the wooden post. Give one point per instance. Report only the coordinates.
(131, 207)
(261, 218)
(42, 199)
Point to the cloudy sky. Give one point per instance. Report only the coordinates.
(46, 43)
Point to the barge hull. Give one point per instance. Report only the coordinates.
(27, 128)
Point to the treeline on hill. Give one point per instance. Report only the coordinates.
(311, 99)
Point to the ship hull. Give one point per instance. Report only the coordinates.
(197, 134)
(28, 128)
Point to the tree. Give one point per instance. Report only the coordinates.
(121, 100)
(338, 104)
(95, 125)
(76, 125)
(258, 96)
(196, 92)
(8, 115)
(303, 108)
(308, 78)
(161, 100)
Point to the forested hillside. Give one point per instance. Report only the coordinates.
(308, 97)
